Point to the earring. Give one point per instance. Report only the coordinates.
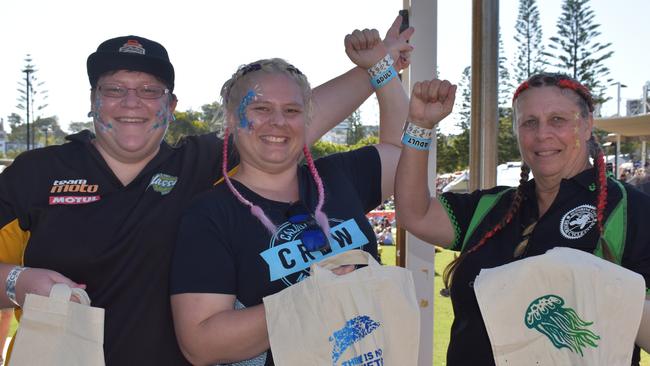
(92, 114)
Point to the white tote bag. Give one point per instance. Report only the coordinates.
(367, 317)
(565, 307)
(54, 331)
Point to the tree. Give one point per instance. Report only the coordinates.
(31, 99)
(505, 81)
(186, 124)
(576, 50)
(75, 127)
(446, 157)
(41, 127)
(460, 143)
(355, 128)
(507, 146)
(528, 36)
(213, 115)
(323, 148)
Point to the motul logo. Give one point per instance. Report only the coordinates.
(72, 200)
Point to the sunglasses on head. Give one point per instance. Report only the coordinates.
(312, 236)
(255, 67)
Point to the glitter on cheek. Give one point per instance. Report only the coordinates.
(250, 96)
(103, 125)
(244, 122)
(162, 116)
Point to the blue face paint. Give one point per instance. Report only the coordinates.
(162, 117)
(245, 102)
(103, 126)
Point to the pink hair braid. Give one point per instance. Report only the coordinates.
(255, 210)
(319, 215)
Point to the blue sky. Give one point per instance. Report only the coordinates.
(207, 40)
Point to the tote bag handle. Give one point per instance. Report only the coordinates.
(62, 292)
(354, 256)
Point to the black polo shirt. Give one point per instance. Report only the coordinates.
(469, 342)
(62, 208)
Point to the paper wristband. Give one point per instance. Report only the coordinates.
(416, 142)
(12, 277)
(381, 65)
(417, 131)
(383, 78)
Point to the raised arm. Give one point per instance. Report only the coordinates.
(339, 97)
(416, 210)
(366, 50)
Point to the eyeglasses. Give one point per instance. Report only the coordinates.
(312, 236)
(143, 91)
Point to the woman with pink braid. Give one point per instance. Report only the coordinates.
(258, 232)
(567, 204)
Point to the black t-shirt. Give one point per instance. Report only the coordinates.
(222, 248)
(64, 209)
(553, 229)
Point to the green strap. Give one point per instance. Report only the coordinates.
(485, 205)
(615, 229)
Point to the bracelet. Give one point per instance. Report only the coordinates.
(417, 131)
(382, 72)
(416, 142)
(12, 277)
(381, 65)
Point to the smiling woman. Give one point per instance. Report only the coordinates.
(569, 203)
(275, 217)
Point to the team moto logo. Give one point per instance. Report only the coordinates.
(289, 260)
(577, 222)
(73, 186)
(163, 183)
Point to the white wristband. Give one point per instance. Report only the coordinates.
(417, 131)
(10, 284)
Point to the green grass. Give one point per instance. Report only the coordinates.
(442, 313)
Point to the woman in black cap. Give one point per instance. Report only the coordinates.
(102, 210)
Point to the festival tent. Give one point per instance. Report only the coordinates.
(508, 174)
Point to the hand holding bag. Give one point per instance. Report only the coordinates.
(55, 331)
(565, 307)
(366, 317)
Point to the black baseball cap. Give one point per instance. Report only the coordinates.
(131, 53)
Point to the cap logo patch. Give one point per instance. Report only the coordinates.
(577, 222)
(132, 46)
(163, 183)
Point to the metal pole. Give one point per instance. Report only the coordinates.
(28, 86)
(484, 109)
(618, 99)
(618, 153)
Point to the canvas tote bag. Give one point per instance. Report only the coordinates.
(54, 331)
(565, 307)
(367, 317)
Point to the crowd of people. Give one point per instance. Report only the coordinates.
(179, 244)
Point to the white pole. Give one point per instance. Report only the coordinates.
(419, 254)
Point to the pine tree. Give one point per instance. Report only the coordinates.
(356, 130)
(528, 35)
(460, 142)
(31, 99)
(577, 52)
(505, 81)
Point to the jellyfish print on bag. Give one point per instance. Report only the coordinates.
(561, 325)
